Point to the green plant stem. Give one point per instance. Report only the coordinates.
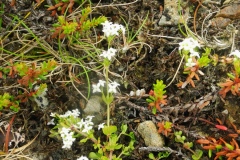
(85, 135)
(108, 105)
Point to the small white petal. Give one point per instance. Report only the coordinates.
(132, 93)
(235, 53)
(53, 114)
(82, 158)
(101, 83)
(100, 126)
(190, 63)
(96, 88)
(51, 122)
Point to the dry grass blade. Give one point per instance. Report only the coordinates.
(17, 153)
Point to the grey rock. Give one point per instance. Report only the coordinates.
(95, 108)
(173, 17)
(149, 133)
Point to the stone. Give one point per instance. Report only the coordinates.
(149, 133)
(95, 108)
(170, 14)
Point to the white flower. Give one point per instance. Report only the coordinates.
(194, 53)
(235, 53)
(85, 126)
(100, 126)
(53, 114)
(82, 158)
(96, 88)
(140, 92)
(111, 52)
(190, 62)
(89, 118)
(189, 44)
(51, 122)
(75, 113)
(132, 93)
(101, 83)
(67, 137)
(80, 124)
(112, 87)
(111, 29)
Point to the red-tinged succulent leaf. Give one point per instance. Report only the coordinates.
(209, 147)
(235, 144)
(237, 151)
(227, 83)
(51, 8)
(222, 153)
(203, 141)
(219, 121)
(221, 127)
(64, 7)
(192, 83)
(59, 4)
(231, 155)
(197, 77)
(233, 135)
(54, 12)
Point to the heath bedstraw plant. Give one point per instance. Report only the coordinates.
(160, 155)
(188, 49)
(69, 126)
(197, 154)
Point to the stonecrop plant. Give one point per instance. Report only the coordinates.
(69, 127)
(25, 76)
(233, 82)
(157, 97)
(78, 27)
(189, 50)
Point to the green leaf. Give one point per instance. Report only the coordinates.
(124, 128)
(94, 155)
(229, 146)
(231, 76)
(209, 153)
(118, 146)
(83, 140)
(197, 154)
(151, 156)
(108, 130)
(131, 134)
(163, 154)
(154, 110)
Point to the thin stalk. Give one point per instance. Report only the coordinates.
(108, 105)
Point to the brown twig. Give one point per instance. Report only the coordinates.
(195, 15)
(8, 133)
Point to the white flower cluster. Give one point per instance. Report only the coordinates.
(111, 29)
(75, 113)
(235, 53)
(67, 137)
(189, 44)
(111, 52)
(112, 87)
(139, 92)
(82, 158)
(83, 125)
